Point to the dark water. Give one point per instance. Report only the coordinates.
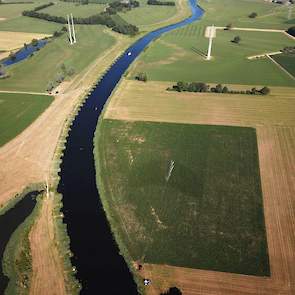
(9, 223)
(24, 53)
(101, 269)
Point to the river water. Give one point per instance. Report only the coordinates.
(100, 267)
(9, 223)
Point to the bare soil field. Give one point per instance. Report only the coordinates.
(47, 267)
(14, 40)
(273, 117)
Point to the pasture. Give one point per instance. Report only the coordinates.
(180, 56)
(34, 73)
(14, 40)
(78, 10)
(185, 195)
(9, 11)
(270, 15)
(18, 111)
(286, 61)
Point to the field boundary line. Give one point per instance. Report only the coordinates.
(282, 68)
(26, 92)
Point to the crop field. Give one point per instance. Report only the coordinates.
(195, 202)
(148, 14)
(15, 40)
(64, 8)
(18, 111)
(286, 61)
(180, 56)
(270, 15)
(35, 73)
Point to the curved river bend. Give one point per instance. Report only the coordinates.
(101, 269)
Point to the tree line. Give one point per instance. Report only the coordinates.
(219, 88)
(104, 18)
(157, 2)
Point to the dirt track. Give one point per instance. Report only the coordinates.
(274, 119)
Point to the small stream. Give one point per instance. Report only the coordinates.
(100, 267)
(9, 223)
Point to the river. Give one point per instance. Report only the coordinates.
(100, 267)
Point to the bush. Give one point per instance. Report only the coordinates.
(252, 15)
(236, 39)
(141, 77)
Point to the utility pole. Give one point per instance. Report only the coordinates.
(74, 34)
(69, 30)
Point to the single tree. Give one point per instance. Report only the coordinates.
(224, 89)
(236, 39)
(265, 90)
(252, 15)
(218, 88)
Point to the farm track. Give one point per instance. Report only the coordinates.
(26, 92)
(273, 117)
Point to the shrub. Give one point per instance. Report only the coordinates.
(236, 39)
(141, 77)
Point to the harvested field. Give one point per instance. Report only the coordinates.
(14, 40)
(150, 101)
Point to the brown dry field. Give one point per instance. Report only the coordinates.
(47, 276)
(14, 40)
(273, 117)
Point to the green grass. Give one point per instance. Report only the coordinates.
(208, 215)
(148, 14)
(64, 8)
(36, 72)
(17, 111)
(287, 61)
(178, 56)
(30, 25)
(270, 15)
(15, 10)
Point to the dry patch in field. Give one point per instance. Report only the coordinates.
(2, 18)
(47, 277)
(273, 117)
(14, 40)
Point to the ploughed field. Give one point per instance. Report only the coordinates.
(18, 111)
(185, 195)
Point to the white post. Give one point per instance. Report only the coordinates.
(74, 34)
(69, 29)
(209, 48)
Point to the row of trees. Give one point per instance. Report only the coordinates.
(219, 88)
(156, 2)
(102, 18)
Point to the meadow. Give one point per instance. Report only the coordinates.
(78, 10)
(148, 14)
(18, 111)
(180, 56)
(286, 61)
(184, 195)
(14, 10)
(34, 73)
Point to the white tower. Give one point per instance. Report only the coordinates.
(73, 27)
(210, 33)
(69, 30)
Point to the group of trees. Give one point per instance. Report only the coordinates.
(219, 88)
(118, 6)
(291, 31)
(103, 18)
(157, 2)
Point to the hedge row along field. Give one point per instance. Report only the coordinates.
(184, 195)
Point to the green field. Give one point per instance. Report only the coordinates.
(148, 14)
(179, 56)
(64, 8)
(36, 72)
(15, 10)
(207, 215)
(270, 15)
(18, 111)
(287, 61)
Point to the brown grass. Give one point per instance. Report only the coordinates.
(274, 119)
(14, 40)
(48, 276)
